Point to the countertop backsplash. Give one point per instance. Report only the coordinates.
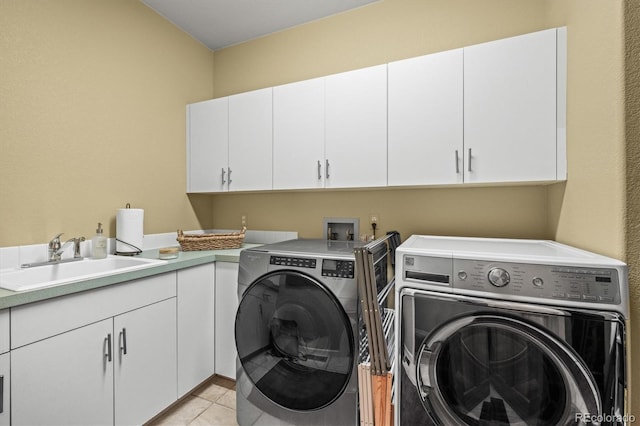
(13, 257)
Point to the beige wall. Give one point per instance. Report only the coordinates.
(632, 117)
(92, 116)
(589, 211)
(385, 31)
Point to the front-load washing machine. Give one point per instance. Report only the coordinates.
(297, 334)
(509, 332)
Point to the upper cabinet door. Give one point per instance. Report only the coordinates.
(298, 135)
(510, 109)
(356, 128)
(425, 143)
(207, 145)
(250, 140)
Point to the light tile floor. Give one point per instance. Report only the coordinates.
(212, 404)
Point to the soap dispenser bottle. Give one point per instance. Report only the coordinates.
(99, 244)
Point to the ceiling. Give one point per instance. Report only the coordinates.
(222, 23)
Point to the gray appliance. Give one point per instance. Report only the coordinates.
(509, 332)
(297, 334)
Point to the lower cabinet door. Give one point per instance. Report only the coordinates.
(5, 388)
(226, 296)
(66, 379)
(196, 351)
(145, 371)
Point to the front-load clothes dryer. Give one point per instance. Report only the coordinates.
(296, 334)
(509, 332)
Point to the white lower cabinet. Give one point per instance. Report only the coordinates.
(226, 297)
(101, 357)
(117, 355)
(123, 366)
(5, 376)
(66, 379)
(145, 362)
(5, 388)
(196, 321)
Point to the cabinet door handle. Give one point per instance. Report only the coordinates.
(469, 168)
(123, 341)
(223, 172)
(107, 342)
(457, 162)
(319, 170)
(326, 168)
(2, 394)
(229, 175)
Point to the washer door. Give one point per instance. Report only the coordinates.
(294, 340)
(490, 369)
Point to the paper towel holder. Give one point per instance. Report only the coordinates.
(127, 253)
(137, 251)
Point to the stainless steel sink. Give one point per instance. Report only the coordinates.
(65, 273)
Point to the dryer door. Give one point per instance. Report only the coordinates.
(494, 369)
(294, 340)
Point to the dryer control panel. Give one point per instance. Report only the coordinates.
(596, 285)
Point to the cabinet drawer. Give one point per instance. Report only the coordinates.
(4, 331)
(40, 320)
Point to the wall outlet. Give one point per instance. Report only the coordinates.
(244, 220)
(373, 218)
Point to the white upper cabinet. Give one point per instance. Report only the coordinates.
(207, 145)
(489, 113)
(356, 128)
(510, 109)
(425, 144)
(229, 143)
(250, 140)
(298, 135)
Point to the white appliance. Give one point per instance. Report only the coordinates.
(506, 332)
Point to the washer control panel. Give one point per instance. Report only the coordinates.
(596, 285)
(338, 268)
(499, 277)
(295, 262)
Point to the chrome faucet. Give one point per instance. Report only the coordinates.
(56, 249)
(55, 252)
(76, 247)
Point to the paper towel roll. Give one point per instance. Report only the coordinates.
(129, 231)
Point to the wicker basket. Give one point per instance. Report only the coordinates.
(210, 241)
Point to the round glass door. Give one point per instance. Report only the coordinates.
(489, 369)
(294, 340)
